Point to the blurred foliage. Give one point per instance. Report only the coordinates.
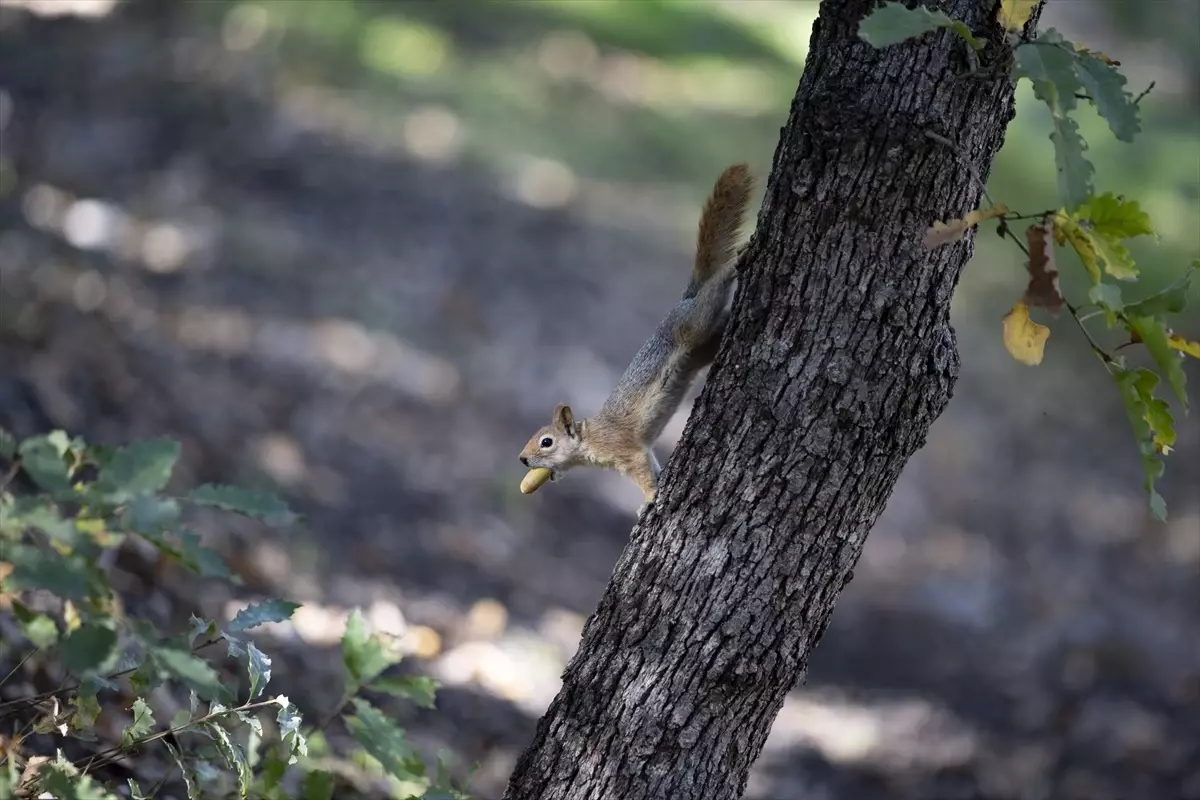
(66, 508)
(657, 92)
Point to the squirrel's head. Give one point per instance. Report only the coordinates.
(557, 446)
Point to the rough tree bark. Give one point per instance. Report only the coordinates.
(839, 358)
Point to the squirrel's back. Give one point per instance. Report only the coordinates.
(661, 373)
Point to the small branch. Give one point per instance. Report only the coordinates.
(20, 664)
(1039, 215)
(332, 715)
(13, 469)
(1103, 354)
(1138, 100)
(109, 755)
(942, 140)
(24, 702)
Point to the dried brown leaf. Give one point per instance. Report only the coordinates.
(1043, 289)
(946, 232)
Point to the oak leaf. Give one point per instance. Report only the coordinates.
(1015, 13)
(1183, 345)
(1043, 289)
(1024, 338)
(946, 232)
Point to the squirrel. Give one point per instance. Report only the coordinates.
(621, 434)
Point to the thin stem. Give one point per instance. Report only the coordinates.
(20, 664)
(1103, 354)
(107, 755)
(332, 715)
(13, 469)
(25, 702)
(1138, 100)
(1039, 215)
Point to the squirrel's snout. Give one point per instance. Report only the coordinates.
(525, 461)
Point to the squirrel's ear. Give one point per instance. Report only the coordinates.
(564, 419)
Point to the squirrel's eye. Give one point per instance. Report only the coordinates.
(546, 441)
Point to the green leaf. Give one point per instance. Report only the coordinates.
(257, 614)
(45, 518)
(200, 559)
(318, 785)
(1171, 300)
(1106, 86)
(195, 673)
(88, 647)
(86, 707)
(198, 628)
(37, 627)
(1154, 336)
(259, 667)
(1108, 298)
(1097, 229)
(365, 656)
(288, 719)
(893, 23)
(139, 468)
(1073, 168)
(252, 722)
(42, 461)
(148, 515)
(1115, 217)
(259, 505)
(1049, 64)
(234, 755)
(135, 791)
(143, 723)
(1136, 389)
(1050, 61)
(68, 577)
(65, 782)
(385, 742)
(418, 689)
(187, 772)
(8, 445)
(236, 647)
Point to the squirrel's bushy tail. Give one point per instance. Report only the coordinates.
(720, 223)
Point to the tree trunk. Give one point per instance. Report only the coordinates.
(839, 357)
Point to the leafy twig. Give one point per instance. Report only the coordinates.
(24, 702)
(1100, 352)
(109, 755)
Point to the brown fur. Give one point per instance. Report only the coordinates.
(621, 434)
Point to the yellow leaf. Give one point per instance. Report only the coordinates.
(946, 232)
(71, 616)
(1184, 345)
(1084, 51)
(1068, 231)
(1024, 338)
(1015, 13)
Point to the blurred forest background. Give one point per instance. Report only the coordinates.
(356, 251)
